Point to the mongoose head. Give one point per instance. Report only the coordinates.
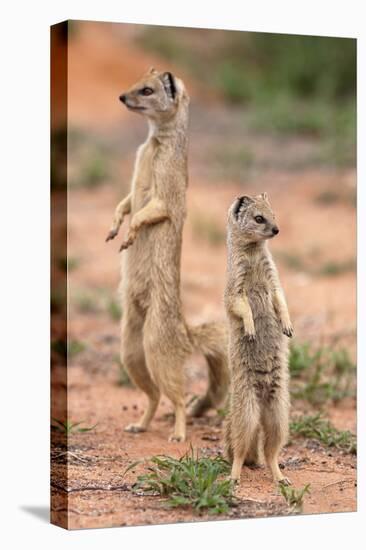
(252, 218)
(156, 95)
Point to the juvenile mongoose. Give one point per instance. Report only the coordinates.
(155, 339)
(258, 319)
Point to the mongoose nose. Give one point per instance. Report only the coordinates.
(122, 98)
(275, 230)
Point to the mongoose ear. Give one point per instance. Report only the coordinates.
(152, 70)
(169, 84)
(264, 196)
(243, 201)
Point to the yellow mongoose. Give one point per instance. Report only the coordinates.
(155, 339)
(258, 320)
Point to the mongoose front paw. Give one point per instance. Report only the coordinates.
(288, 331)
(112, 233)
(130, 239)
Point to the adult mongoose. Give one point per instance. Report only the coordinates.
(258, 325)
(155, 339)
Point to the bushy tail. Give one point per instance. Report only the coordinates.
(211, 340)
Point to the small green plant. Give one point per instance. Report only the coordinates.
(292, 261)
(114, 310)
(68, 427)
(223, 412)
(95, 171)
(74, 347)
(123, 378)
(320, 375)
(86, 303)
(316, 427)
(190, 481)
(294, 497)
(333, 268)
(307, 264)
(328, 196)
(301, 358)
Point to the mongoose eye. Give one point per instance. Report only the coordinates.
(147, 91)
(259, 219)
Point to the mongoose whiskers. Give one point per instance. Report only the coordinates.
(259, 325)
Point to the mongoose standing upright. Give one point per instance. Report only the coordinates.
(155, 339)
(258, 320)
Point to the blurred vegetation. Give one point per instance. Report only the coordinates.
(318, 428)
(321, 375)
(290, 84)
(206, 229)
(312, 264)
(96, 300)
(123, 378)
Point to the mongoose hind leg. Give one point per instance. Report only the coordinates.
(144, 422)
(165, 354)
(133, 360)
(275, 427)
(179, 432)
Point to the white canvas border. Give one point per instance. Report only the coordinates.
(25, 269)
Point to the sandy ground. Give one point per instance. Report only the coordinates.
(89, 488)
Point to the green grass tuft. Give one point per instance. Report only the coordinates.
(94, 172)
(320, 375)
(333, 268)
(190, 481)
(294, 497)
(306, 264)
(74, 347)
(86, 303)
(301, 358)
(123, 377)
(316, 427)
(114, 309)
(68, 427)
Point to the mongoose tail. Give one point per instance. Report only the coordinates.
(211, 340)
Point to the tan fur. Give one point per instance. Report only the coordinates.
(155, 338)
(258, 319)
